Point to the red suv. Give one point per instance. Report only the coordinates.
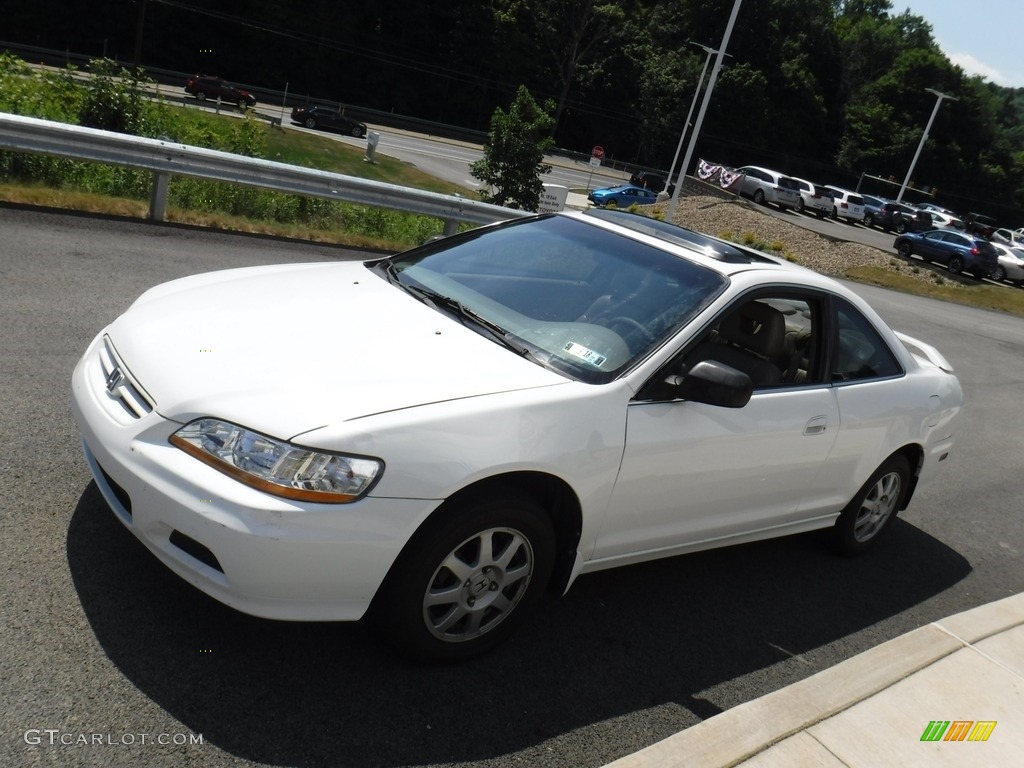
(207, 87)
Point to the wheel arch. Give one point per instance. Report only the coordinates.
(552, 493)
(914, 454)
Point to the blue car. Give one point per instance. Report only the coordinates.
(960, 252)
(622, 196)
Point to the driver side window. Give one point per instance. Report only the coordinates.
(774, 339)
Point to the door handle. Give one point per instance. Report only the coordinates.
(816, 426)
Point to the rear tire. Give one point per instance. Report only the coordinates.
(956, 265)
(468, 578)
(874, 507)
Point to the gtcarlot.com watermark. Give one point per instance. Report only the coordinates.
(54, 737)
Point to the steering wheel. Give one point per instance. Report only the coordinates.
(633, 324)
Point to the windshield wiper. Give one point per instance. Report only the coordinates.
(464, 314)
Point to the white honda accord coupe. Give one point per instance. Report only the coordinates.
(436, 439)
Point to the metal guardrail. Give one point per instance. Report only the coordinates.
(167, 158)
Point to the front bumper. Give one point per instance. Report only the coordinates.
(258, 553)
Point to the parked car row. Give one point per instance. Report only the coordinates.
(764, 186)
(890, 215)
(936, 234)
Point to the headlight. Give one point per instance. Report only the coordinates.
(276, 466)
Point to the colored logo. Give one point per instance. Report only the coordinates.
(958, 730)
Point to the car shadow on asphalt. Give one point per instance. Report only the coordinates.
(655, 635)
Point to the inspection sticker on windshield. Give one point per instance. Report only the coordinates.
(584, 354)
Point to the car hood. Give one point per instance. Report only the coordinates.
(287, 349)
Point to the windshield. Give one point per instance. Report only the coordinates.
(566, 294)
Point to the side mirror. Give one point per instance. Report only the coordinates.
(713, 383)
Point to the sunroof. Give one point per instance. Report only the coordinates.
(673, 233)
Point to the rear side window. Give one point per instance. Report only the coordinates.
(860, 352)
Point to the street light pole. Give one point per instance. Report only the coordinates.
(924, 137)
(703, 109)
(693, 103)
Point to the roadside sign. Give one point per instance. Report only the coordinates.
(597, 152)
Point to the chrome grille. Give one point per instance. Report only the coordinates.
(119, 385)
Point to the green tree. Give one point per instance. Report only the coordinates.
(563, 36)
(513, 160)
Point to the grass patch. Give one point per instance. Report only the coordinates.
(983, 296)
(327, 154)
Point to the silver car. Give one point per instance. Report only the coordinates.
(764, 185)
(1011, 264)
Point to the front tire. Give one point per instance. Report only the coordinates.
(759, 197)
(956, 265)
(906, 250)
(998, 274)
(358, 132)
(310, 122)
(874, 507)
(468, 578)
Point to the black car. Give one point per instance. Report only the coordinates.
(328, 119)
(915, 221)
(891, 213)
(648, 180)
(205, 87)
(958, 251)
(979, 224)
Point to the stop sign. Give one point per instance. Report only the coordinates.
(597, 152)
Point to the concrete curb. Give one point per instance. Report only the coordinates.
(740, 733)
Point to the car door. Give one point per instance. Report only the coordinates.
(933, 247)
(955, 245)
(694, 473)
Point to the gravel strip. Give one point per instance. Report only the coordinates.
(741, 221)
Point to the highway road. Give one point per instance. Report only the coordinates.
(443, 158)
(110, 660)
